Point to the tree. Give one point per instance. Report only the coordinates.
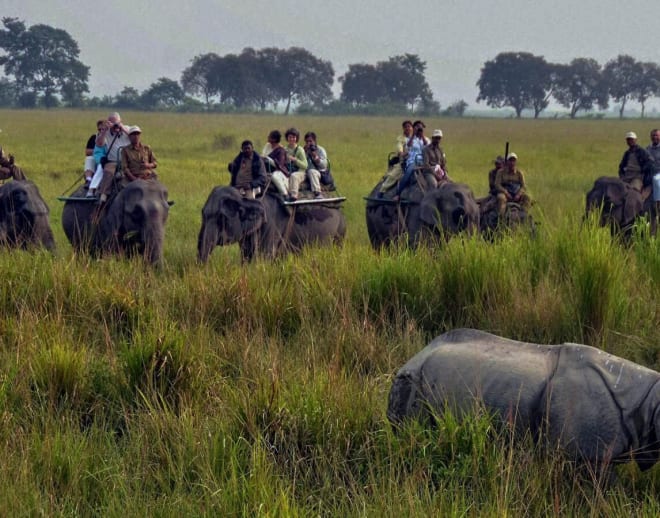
(129, 97)
(579, 85)
(399, 81)
(303, 77)
(7, 92)
(456, 109)
(622, 79)
(517, 79)
(648, 84)
(361, 85)
(200, 78)
(43, 60)
(164, 93)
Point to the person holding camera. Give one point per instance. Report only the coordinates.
(113, 137)
(416, 145)
(318, 171)
(395, 164)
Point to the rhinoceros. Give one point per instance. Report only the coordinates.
(596, 407)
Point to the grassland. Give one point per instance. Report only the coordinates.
(261, 390)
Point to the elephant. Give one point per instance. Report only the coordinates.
(443, 212)
(24, 221)
(265, 226)
(595, 407)
(515, 216)
(387, 220)
(132, 222)
(617, 202)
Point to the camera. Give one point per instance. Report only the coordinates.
(116, 126)
(313, 148)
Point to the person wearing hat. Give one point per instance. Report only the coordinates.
(137, 159)
(636, 167)
(434, 161)
(492, 174)
(510, 185)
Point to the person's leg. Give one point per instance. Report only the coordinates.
(295, 179)
(280, 182)
(392, 176)
(314, 178)
(501, 204)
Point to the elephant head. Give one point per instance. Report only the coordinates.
(135, 221)
(447, 210)
(24, 216)
(228, 218)
(618, 203)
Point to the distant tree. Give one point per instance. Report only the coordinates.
(361, 85)
(648, 84)
(7, 93)
(456, 109)
(579, 85)
(398, 81)
(622, 77)
(517, 79)
(201, 77)
(302, 77)
(129, 97)
(164, 93)
(43, 60)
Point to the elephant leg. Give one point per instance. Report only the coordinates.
(208, 238)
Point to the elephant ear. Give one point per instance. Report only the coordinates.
(429, 211)
(253, 216)
(632, 206)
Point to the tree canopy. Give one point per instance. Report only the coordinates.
(43, 61)
(579, 85)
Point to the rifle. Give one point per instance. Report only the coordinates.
(506, 151)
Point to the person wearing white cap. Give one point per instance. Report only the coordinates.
(137, 159)
(510, 186)
(636, 167)
(113, 137)
(434, 161)
(416, 145)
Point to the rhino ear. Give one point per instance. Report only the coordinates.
(632, 205)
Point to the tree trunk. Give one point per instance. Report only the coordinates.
(288, 105)
(623, 107)
(643, 106)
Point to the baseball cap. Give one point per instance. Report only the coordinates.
(437, 133)
(134, 129)
(512, 155)
(631, 134)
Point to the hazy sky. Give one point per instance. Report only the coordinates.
(134, 42)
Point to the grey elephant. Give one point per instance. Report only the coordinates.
(24, 221)
(442, 213)
(596, 407)
(387, 220)
(265, 226)
(618, 204)
(491, 224)
(132, 222)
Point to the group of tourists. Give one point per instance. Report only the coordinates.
(116, 148)
(639, 165)
(290, 165)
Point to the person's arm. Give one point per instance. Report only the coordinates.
(299, 158)
(498, 183)
(153, 163)
(258, 173)
(622, 165)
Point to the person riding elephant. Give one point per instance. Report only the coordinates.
(8, 169)
(636, 166)
(510, 186)
(248, 173)
(264, 226)
(132, 222)
(24, 219)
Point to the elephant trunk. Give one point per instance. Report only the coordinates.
(208, 238)
(154, 235)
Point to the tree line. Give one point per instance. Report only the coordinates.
(523, 81)
(42, 69)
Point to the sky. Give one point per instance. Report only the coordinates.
(135, 42)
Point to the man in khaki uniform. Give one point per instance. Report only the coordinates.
(137, 159)
(8, 169)
(434, 161)
(510, 186)
(636, 167)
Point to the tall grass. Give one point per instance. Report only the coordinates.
(261, 389)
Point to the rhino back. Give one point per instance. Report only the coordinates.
(466, 367)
